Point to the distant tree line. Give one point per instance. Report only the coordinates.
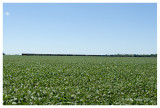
(133, 55)
(112, 55)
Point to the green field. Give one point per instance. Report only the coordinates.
(72, 80)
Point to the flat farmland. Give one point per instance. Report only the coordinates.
(79, 80)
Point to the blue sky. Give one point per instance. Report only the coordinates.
(82, 28)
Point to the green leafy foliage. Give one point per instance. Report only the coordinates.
(59, 80)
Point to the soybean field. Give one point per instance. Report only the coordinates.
(79, 80)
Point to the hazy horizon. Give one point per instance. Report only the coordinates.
(79, 54)
(80, 28)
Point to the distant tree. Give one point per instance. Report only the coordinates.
(4, 54)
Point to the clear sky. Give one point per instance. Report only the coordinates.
(82, 28)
